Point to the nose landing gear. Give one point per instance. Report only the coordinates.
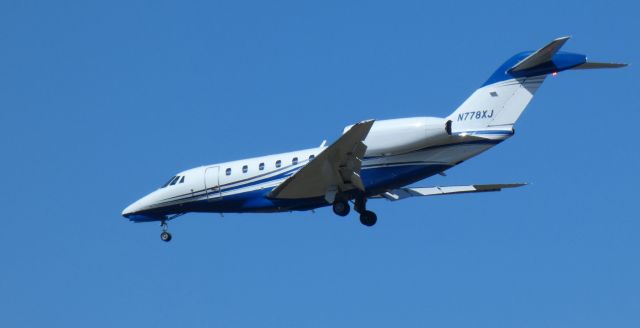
(165, 235)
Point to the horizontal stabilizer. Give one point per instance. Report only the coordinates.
(541, 56)
(402, 193)
(594, 65)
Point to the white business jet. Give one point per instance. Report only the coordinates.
(372, 159)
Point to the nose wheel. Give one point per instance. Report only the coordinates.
(165, 235)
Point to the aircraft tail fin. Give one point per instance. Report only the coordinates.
(500, 101)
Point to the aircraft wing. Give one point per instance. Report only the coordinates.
(335, 169)
(402, 193)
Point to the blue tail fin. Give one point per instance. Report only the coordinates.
(500, 101)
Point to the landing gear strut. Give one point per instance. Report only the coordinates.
(368, 218)
(165, 235)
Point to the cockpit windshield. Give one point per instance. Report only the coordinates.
(168, 182)
(173, 180)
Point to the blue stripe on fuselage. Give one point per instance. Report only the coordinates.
(377, 178)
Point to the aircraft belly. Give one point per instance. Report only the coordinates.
(395, 171)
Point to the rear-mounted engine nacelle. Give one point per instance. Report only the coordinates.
(399, 136)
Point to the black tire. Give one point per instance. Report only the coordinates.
(368, 218)
(165, 236)
(341, 208)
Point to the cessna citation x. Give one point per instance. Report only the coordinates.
(372, 159)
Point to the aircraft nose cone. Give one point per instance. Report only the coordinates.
(134, 208)
(129, 210)
(140, 209)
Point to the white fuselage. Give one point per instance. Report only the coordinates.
(399, 152)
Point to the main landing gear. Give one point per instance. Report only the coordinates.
(367, 218)
(165, 235)
(341, 208)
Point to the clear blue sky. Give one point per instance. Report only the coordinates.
(101, 102)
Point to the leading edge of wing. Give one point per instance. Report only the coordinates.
(315, 179)
(402, 193)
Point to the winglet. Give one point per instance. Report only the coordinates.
(541, 56)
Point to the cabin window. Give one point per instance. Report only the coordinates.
(182, 179)
(312, 157)
(278, 163)
(245, 169)
(168, 182)
(175, 180)
(261, 166)
(228, 171)
(294, 161)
